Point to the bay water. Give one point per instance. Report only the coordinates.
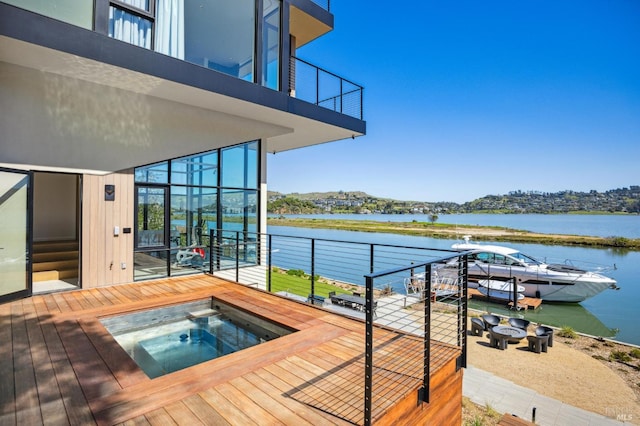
(611, 314)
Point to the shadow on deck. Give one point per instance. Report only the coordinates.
(60, 365)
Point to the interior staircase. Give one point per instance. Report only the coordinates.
(55, 260)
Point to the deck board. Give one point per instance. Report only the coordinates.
(49, 397)
(204, 412)
(65, 368)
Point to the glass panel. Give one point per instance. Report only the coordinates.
(240, 166)
(271, 44)
(155, 173)
(239, 224)
(76, 12)
(150, 218)
(130, 28)
(239, 210)
(149, 265)
(200, 170)
(220, 34)
(189, 260)
(193, 214)
(13, 232)
(140, 4)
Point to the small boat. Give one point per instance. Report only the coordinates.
(550, 282)
(502, 290)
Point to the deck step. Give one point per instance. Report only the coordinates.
(55, 260)
(202, 314)
(53, 246)
(55, 265)
(54, 275)
(53, 256)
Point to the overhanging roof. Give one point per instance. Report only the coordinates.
(224, 110)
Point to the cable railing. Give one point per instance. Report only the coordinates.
(413, 301)
(323, 88)
(431, 321)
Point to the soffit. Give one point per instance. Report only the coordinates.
(305, 27)
(242, 120)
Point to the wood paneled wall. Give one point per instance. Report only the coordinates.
(103, 254)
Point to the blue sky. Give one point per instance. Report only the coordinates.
(468, 98)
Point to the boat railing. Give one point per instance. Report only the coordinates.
(582, 265)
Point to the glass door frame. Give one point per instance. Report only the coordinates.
(166, 243)
(27, 291)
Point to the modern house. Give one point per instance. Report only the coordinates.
(130, 128)
(134, 137)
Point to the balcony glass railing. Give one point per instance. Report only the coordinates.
(323, 88)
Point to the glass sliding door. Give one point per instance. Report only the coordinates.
(15, 221)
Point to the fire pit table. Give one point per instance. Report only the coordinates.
(501, 335)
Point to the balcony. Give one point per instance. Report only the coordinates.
(323, 88)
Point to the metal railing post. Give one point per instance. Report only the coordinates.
(371, 254)
(368, 357)
(211, 251)
(464, 299)
(269, 261)
(237, 256)
(317, 86)
(341, 97)
(426, 296)
(313, 268)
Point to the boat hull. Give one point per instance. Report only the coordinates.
(498, 294)
(550, 287)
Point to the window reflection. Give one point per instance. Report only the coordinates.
(271, 44)
(220, 34)
(205, 192)
(154, 173)
(216, 34)
(240, 166)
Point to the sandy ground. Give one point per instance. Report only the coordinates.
(568, 372)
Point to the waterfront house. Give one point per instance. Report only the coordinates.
(133, 132)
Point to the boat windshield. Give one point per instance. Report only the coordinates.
(526, 259)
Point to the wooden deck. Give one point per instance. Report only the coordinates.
(59, 365)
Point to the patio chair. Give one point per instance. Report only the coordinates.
(477, 327)
(542, 330)
(519, 323)
(490, 320)
(538, 344)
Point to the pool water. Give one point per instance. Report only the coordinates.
(170, 339)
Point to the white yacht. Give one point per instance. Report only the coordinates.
(550, 282)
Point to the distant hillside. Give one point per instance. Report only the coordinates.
(621, 200)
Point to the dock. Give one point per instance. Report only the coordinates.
(525, 303)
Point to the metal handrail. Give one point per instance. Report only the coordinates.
(424, 394)
(325, 89)
(256, 259)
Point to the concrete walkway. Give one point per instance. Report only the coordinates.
(504, 396)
